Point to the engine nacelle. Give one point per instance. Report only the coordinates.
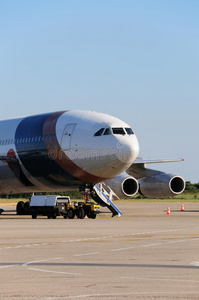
(161, 185)
(124, 185)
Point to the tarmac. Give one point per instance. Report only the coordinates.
(145, 254)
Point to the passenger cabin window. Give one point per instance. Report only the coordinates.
(129, 131)
(118, 130)
(107, 131)
(99, 132)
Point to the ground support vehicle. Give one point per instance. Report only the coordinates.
(53, 206)
(81, 209)
(50, 206)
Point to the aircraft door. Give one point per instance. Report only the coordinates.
(67, 135)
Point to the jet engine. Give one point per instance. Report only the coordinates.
(161, 185)
(123, 185)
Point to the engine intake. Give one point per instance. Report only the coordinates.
(124, 185)
(130, 186)
(161, 186)
(177, 185)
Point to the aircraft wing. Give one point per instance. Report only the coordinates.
(8, 159)
(139, 160)
(138, 168)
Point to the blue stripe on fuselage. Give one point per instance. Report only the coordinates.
(32, 151)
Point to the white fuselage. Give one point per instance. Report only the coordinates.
(62, 150)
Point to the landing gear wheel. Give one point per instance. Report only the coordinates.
(34, 216)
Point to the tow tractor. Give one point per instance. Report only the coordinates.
(86, 208)
(82, 209)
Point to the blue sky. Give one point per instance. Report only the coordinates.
(136, 60)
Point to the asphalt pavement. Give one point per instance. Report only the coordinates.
(145, 254)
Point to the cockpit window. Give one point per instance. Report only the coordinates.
(118, 130)
(129, 131)
(99, 132)
(107, 131)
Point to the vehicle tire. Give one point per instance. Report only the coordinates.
(89, 214)
(93, 216)
(20, 208)
(54, 216)
(70, 213)
(81, 213)
(34, 216)
(27, 208)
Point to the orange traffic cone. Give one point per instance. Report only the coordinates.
(168, 210)
(182, 207)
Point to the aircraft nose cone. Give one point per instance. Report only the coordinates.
(128, 150)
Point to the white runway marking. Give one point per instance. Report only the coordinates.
(56, 272)
(104, 237)
(84, 254)
(9, 266)
(161, 279)
(123, 294)
(47, 271)
(38, 261)
(178, 241)
(151, 245)
(195, 263)
(41, 270)
(122, 249)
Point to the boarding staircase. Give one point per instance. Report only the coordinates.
(103, 195)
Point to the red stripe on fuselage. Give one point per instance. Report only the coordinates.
(58, 155)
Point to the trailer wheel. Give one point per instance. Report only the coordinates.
(81, 213)
(27, 208)
(71, 213)
(20, 208)
(34, 216)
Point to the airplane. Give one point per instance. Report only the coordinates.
(70, 150)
